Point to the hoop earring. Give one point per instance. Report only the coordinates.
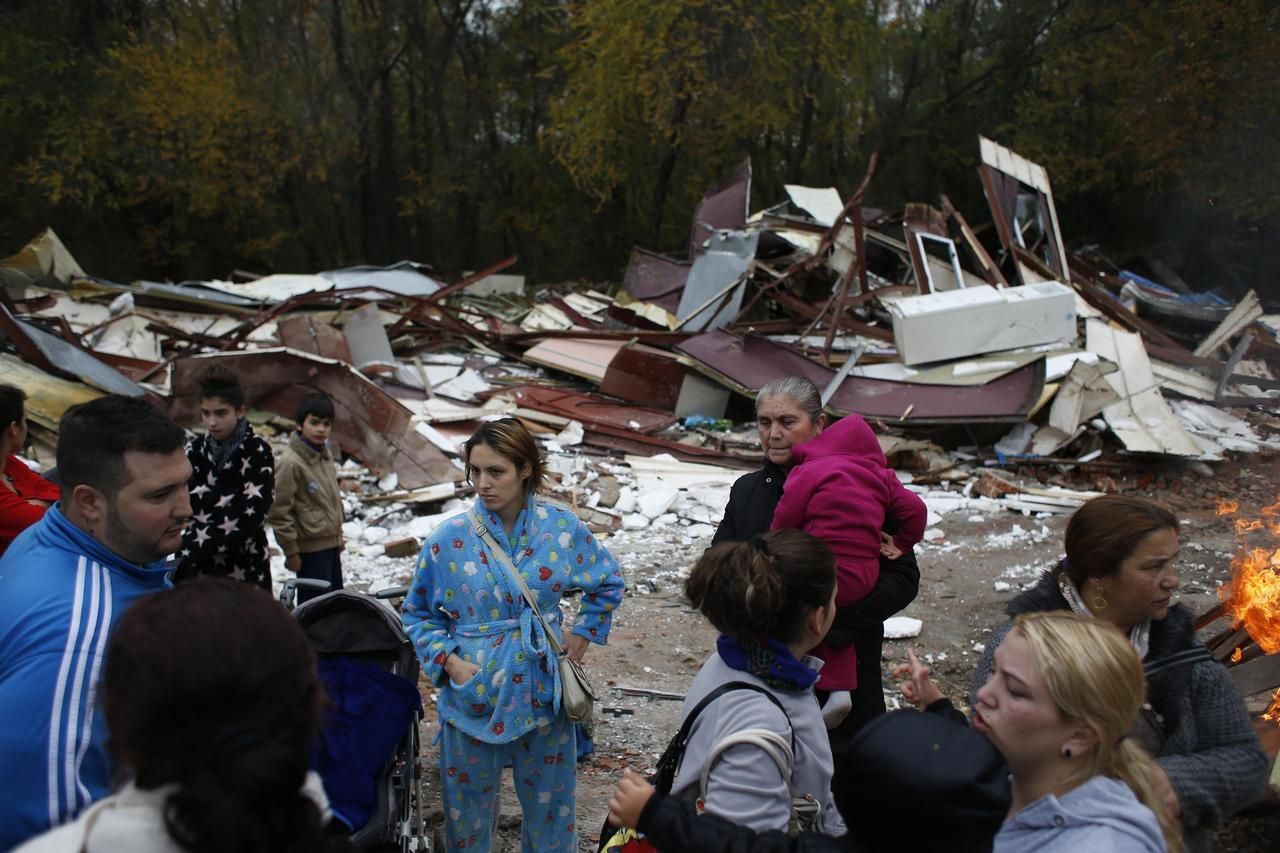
(1098, 601)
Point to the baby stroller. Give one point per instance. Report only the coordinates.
(367, 752)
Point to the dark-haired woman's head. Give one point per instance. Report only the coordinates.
(779, 586)
(212, 687)
(503, 463)
(1120, 555)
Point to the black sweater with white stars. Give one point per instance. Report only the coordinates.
(229, 503)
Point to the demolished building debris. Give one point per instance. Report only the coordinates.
(915, 319)
(970, 347)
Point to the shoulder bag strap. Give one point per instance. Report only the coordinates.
(1182, 658)
(482, 530)
(773, 745)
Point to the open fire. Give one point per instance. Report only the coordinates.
(1252, 599)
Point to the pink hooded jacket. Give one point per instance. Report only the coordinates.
(840, 490)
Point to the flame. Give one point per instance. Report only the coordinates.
(1254, 596)
(1273, 713)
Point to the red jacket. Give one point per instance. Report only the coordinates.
(16, 515)
(840, 490)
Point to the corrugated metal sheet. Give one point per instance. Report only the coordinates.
(747, 363)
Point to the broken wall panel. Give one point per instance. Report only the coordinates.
(588, 358)
(1240, 317)
(405, 278)
(306, 333)
(592, 410)
(724, 209)
(645, 375)
(54, 355)
(656, 278)
(822, 203)
(43, 263)
(48, 396)
(712, 295)
(746, 363)
(367, 339)
(369, 423)
(1142, 420)
(1022, 207)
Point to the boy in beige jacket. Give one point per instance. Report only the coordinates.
(307, 513)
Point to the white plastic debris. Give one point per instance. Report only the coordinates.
(626, 500)
(352, 530)
(655, 502)
(1002, 586)
(634, 521)
(571, 435)
(376, 534)
(902, 627)
(934, 534)
(389, 482)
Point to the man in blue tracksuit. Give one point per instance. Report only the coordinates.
(64, 582)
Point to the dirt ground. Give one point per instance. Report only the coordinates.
(658, 643)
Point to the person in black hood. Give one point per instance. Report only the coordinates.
(789, 411)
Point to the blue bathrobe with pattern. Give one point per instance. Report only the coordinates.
(463, 601)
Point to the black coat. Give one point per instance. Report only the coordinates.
(749, 513)
(227, 536)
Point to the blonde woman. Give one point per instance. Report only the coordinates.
(1063, 692)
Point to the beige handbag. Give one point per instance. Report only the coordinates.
(576, 694)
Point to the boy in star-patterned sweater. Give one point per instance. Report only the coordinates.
(232, 486)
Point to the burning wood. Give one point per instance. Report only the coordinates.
(1252, 600)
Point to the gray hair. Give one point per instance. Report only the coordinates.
(801, 391)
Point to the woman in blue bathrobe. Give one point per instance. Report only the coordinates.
(478, 638)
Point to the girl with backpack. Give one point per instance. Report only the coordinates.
(757, 751)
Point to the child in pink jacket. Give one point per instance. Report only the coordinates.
(840, 490)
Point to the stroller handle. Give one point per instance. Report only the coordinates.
(289, 590)
(392, 592)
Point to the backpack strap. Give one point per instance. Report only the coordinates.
(665, 772)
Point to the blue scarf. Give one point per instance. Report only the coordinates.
(769, 660)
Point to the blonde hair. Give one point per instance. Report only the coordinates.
(1095, 677)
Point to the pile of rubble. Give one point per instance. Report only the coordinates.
(969, 348)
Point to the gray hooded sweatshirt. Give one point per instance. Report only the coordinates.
(1101, 816)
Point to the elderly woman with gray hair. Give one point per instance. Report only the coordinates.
(788, 412)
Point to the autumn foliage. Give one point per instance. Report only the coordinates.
(189, 138)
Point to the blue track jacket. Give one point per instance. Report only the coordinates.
(61, 591)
